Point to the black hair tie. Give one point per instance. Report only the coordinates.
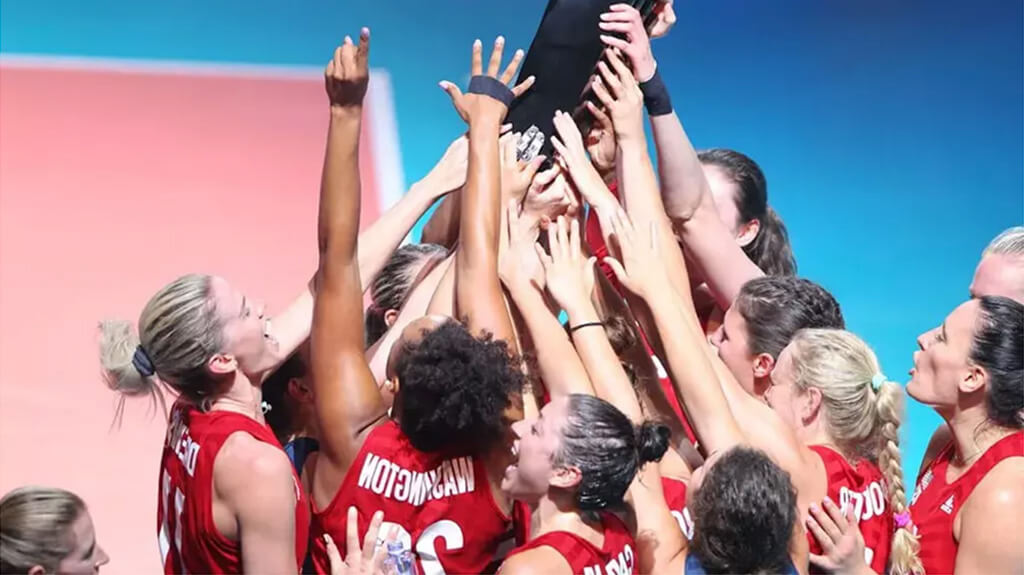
(142, 363)
(587, 324)
(492, 87)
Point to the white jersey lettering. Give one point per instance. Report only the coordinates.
(452, 477)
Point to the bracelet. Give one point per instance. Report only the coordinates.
(656, 98)
(587, 324)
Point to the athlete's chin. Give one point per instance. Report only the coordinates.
(508, 482)
(916, 388)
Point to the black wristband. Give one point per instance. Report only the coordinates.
(587, 324)
(656, 98)
(491, 87)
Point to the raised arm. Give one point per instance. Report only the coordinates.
(672, 313)
(479, 298)
(347, 400)
(620, 93)
(442, 228)
(724, 264)
(522, 273)
(570, 279)
(382, 238)
(623, 115)
(685, 191)
(571, 282)
(690, 370)
(376, 244)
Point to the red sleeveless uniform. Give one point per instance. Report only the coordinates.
(188, 538)
(863, 487)
(675, 497)
(596, 242)
(442, 504)
(936, 502)
(615, 557)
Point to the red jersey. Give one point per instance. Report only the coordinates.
(936, 502)
(442, 505)
(521, 522)
(616, 555)
(675, 497)
(188, 538)
(863, 487)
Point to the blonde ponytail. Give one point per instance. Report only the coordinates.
(863, 412)
(179, 330)
(903, 558)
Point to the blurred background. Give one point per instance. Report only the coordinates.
(143, 140)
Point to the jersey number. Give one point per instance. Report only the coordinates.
(426, 545)
(869, 503)
(165, 527)
(685, 522)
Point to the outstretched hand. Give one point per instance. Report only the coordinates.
(472, 106)
(840, 539)
(601, 140)
(348, 73)
(365, 560)
(665, 19)
(626, 20)
(516, 175)
(620, 93)
(570, 148)
(638, 268)
(548, 197)
(570, 274)
(518, 263)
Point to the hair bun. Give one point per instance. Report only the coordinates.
(652, 440)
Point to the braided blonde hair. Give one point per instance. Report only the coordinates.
(903, 557)
(862, 421)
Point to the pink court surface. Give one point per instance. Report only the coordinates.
(115, 178)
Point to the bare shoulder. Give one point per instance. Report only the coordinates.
(988, 533)
(246, 463)
(1001, 492)
(541, 560)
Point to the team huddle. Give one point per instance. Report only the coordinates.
(588, 365)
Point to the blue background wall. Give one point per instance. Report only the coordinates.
(891, 133)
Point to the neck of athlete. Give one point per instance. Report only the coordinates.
(813, 433)
(241, 397)
(973, 434)
(556, 512)
(305, 424)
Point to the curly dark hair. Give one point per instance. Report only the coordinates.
(770, 250)
(454, 389)
(744, 513)
(776, 307)
(998, 346)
